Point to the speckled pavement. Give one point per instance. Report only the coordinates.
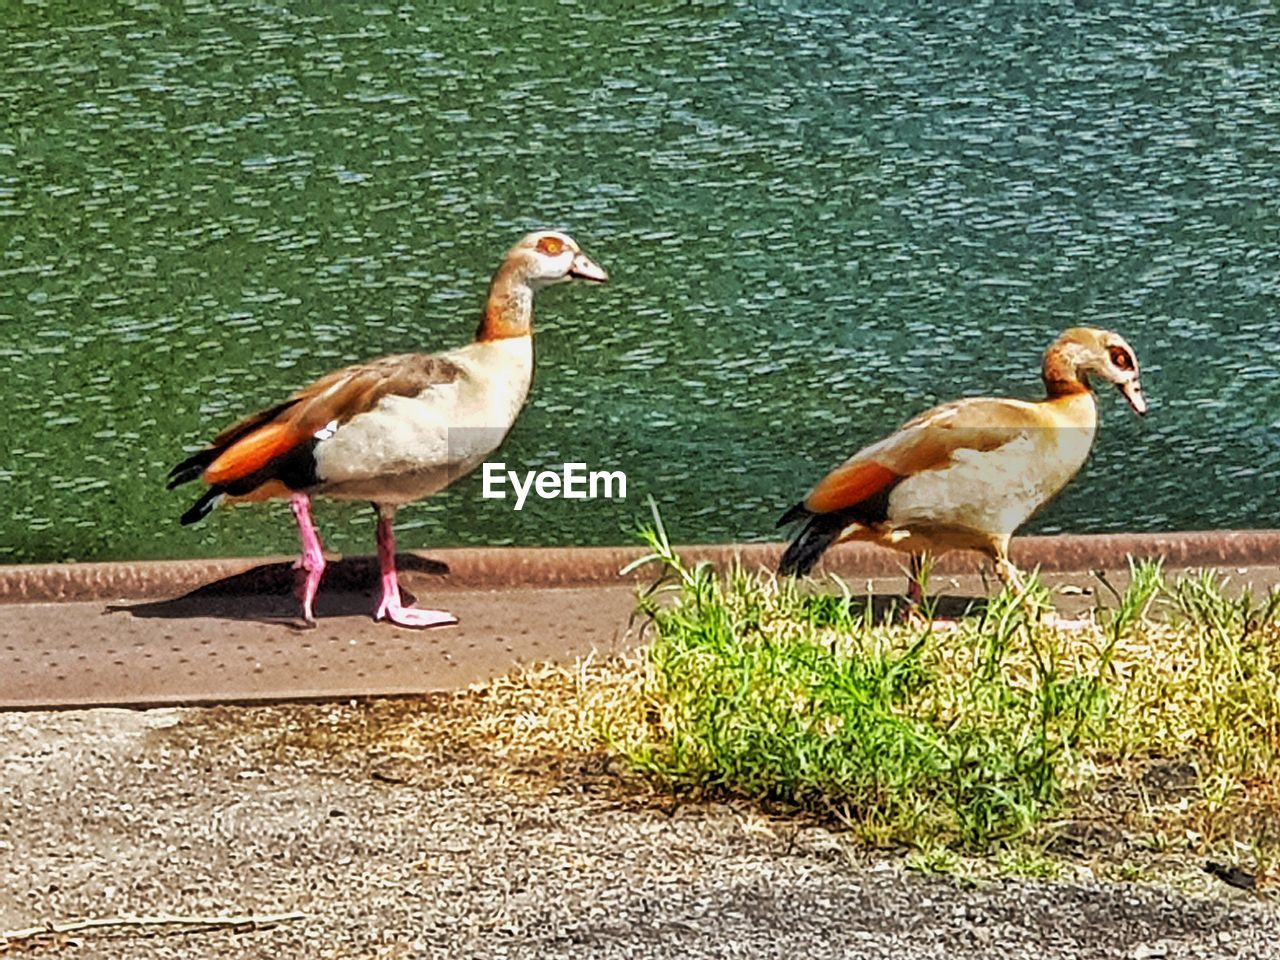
(226, 631)
(89, 654)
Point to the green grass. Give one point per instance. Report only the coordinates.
(969, 740)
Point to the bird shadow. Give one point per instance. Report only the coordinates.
(265, 594)
(888, 608)
(824, 606)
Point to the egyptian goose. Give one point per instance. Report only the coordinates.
(965, 475)
(392, 430)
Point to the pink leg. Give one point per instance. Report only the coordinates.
(312, 559)
(391, 608)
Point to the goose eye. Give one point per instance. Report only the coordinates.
(551, 246)
(1120, 358)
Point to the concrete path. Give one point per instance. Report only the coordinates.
(242, 649)
(200, 632)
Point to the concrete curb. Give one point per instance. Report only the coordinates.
(506, 567)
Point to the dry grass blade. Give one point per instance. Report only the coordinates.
(255, 921)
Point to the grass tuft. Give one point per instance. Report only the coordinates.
(968, 739)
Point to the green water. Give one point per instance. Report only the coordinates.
(817, 223)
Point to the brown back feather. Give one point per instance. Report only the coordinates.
(357, 389)
(339, 396)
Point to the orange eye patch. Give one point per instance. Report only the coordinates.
(551, 246)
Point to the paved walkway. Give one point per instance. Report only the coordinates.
(236, 648)
(227, 631)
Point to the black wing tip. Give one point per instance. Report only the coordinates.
(798, 511)
(795, 562)
(819, 532)
(202, 507)
(190, 468)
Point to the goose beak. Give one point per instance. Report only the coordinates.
(584, 268)
(1132, 391)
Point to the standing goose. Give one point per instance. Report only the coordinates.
(392, 430)
(965, 475)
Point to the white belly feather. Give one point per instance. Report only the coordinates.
(407, 448)
(994, 491)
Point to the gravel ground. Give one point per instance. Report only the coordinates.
(450, 850)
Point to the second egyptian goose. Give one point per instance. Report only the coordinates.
(391, 430)
(966, 474)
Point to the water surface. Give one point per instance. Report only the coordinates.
(817, 222)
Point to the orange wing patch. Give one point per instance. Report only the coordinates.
(250, 445)
(251, 453)
(849, 485)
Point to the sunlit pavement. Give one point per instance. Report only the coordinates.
(237, 637)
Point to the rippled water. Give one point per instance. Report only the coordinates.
(817, 223)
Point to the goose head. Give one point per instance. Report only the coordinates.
(549, 256)
(1082, 353)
